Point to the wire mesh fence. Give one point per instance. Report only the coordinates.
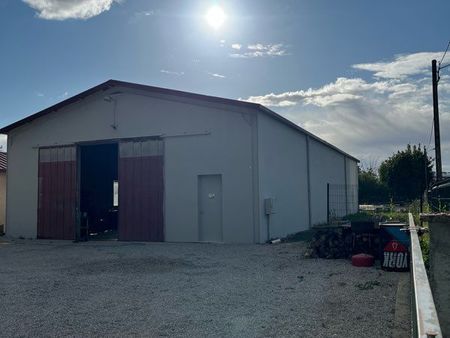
(342, 200)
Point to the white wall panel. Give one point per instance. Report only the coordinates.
(283, 177)
(200, 138)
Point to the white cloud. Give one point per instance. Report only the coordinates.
(171, 72)
(402, 66)
(138, 16)
(220, 76)
(372, 118)
(69, 9)
(342, 90)
(258, 50)
(63, 95)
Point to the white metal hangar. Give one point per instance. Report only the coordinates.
(151, 164)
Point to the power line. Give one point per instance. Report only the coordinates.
(443, 56)
(440, 63)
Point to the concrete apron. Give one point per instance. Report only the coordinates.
(439, 227)
(402, 321)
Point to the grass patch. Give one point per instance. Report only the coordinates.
(368, 285)
(425, 247)
(379, 216)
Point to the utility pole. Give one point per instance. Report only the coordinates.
(437, 133)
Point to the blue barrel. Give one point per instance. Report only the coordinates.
(393, 231)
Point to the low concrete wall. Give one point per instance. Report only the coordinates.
(439, 225)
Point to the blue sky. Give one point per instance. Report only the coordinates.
(353, 72)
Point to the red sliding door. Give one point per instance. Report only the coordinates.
(57, 193)
(141, 190)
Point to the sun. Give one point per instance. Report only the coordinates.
(215, 17)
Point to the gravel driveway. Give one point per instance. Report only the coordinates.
(195, 290)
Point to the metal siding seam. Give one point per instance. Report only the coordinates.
(153, 197)
(136, 187)
(52, 201)
(153, 194)
(59, 225)
(161, 197)
(69, 201)
(40, 219)
(119, 211)
(137, 193)
(48, 188)
(65, 192)
(72, 200)
(346, 188)
(58, 198)
(255, 179)
(73, 191)
(124, 193)
(129, 197)
(144, 198)
(120, 175)
(308, 174)
(47, 205)
(59, 194)
(144, 228)
(126, 198)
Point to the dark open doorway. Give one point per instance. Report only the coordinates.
(98, 191)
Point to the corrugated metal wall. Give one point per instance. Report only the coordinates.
(57, 193)
(141, 190)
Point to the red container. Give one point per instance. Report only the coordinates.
(362, 260)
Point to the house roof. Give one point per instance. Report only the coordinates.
(214, 99)
(3, 161)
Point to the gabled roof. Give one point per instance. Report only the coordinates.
(3, 161)
(214, 99)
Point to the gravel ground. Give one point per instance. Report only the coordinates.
(196, 290)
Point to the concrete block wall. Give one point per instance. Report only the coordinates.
(439, 226)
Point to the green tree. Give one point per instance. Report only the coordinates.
(371, 190)
(407, 173)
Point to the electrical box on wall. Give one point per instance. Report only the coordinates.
(269, 206)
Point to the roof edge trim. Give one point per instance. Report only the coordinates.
(116, 83)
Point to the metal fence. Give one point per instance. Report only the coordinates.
(342, 200)
(424, 315)
(439, 196)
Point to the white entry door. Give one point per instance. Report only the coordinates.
(210, 208)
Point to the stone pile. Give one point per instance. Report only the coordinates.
(337, 242)
(330, 243)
